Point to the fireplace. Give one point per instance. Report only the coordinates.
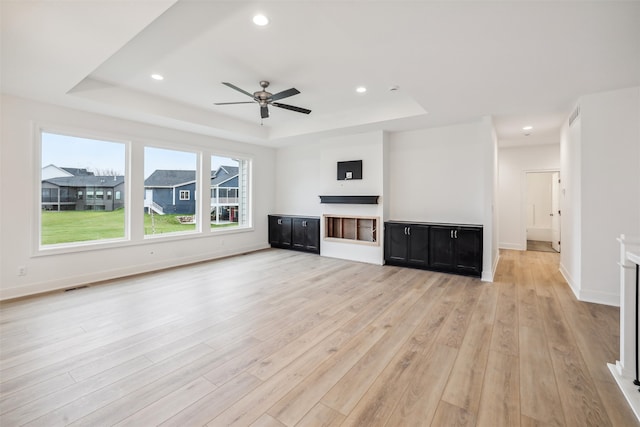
(351, 229)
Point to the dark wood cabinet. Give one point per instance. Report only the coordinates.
(407, 244)
(280, 231)
(443, 247)
(292, 232)
(457, 249)
(305, 234)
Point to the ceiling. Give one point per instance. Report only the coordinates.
(524, 63)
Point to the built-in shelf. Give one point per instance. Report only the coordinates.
(351, 229)
(353, 200)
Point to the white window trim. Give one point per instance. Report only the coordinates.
(133, 159)
(36, 242)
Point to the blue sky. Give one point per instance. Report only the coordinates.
(69, 151)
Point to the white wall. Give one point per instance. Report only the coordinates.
(447, 174)
(368, 147)
(570, 203)
(602, 151)
(513, 164)
(304, 173)
(19, 173)
(437, 175)
(610, 171)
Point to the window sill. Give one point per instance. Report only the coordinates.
(73, 248)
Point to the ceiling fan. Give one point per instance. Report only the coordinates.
(265, 99)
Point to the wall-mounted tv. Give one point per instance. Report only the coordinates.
(350, 170)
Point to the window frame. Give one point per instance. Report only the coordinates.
(38, 247)
(134, 159)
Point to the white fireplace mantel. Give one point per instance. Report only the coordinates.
(624, 370)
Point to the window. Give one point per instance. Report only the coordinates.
(82, 192)
(71, 207)
(229, 192)
(170, 178)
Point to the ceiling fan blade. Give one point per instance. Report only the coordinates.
(285, 94)
(292, 108)
(264, 112)
(229, 103)
(238, 89)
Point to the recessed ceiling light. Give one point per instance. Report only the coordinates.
(527, 128)
(260, 20)
(157, 77)
(361, 89)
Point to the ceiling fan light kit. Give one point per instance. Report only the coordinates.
(265, 99)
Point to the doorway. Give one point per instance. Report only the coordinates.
(542, 211)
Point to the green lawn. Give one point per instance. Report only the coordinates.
(83, 226)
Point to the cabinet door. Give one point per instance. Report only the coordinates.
(285, 231)
(469, 250)
(313, 235)
(298, 233)
(274, 230)
(418, 245)
(396, 242)
(442, 251)
(280, 231)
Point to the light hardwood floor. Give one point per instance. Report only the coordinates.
(279, 338)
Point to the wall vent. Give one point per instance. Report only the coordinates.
(574, 115)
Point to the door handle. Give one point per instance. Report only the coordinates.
(279, 222)
(409, 231)
(455, 233)
(451, 234)
(405, 231)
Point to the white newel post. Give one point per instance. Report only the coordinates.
(624, 371)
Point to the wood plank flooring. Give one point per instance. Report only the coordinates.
(281, 338)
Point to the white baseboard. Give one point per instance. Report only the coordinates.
(597, 297)
(512, 246)
(82, 280)
(627, 387)
(569, 280)
(488, 277)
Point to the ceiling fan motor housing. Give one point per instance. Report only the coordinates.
(265, 99)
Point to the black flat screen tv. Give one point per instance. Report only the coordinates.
(350, 170)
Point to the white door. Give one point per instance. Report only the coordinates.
(555, 211)
(148, 197)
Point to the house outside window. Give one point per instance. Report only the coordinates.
(229, 192)
(72, 191)
(170, 180)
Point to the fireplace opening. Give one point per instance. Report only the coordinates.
(351, 229)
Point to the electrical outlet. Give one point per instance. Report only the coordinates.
(22, 270)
